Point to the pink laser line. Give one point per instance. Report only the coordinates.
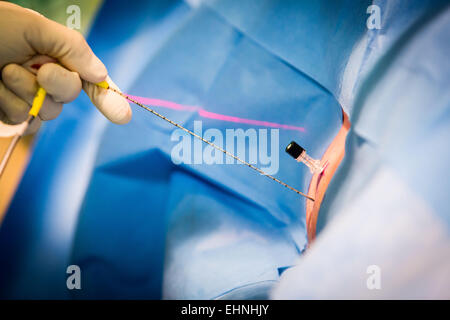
(211, 115)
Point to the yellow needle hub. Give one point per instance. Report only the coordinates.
(39, 98)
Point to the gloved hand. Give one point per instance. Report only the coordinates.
(37, 51)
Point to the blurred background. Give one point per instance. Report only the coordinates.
(109, 198)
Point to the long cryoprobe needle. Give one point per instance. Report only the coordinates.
(39, 100)
(210, 143)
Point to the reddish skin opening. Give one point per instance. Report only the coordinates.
(319, 183)
(36, 66)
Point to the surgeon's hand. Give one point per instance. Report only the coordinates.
(35, 51)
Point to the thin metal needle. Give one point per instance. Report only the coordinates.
(211, 144)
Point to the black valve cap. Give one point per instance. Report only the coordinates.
(294, 149)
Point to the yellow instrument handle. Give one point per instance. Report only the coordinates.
(38, 101)
(39, 98)
(103, 84)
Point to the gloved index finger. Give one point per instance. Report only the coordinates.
(66, 45)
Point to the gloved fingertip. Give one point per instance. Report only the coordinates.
(111, 104)
(116, 108)
(126, 115)
(10, 71)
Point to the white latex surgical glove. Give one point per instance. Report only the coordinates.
(35, 51)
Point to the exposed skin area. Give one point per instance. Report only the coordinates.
(319, 182)
(14, 170)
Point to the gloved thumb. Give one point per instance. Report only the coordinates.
(113, 106)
